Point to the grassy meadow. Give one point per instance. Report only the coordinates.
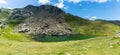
(90, 38)
(89, 46)
(13, 43)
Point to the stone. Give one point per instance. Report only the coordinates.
(45, 26)
(117, 34)
(24, 30)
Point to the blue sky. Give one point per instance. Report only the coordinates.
(91, 9)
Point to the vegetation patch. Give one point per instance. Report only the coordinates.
(89, 27)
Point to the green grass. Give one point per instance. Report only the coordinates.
(10, 34)
(13, 43)
(92, 46)
(85, 26)
(4, 14)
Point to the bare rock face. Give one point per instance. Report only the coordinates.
(3, 24)
(45, 19)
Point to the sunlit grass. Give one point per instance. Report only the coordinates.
(93, 46)
(10, 34)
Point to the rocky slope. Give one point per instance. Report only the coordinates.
(115, 22)
(43, 19)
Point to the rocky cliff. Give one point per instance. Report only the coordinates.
(45, 19)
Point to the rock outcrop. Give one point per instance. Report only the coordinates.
(2, 24)
(45, 19)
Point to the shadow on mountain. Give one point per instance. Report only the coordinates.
(63, 38)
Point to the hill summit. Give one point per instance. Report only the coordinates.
(44, 19)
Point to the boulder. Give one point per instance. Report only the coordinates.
(23, 30)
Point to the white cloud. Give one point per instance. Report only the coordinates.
(3, 2)
(74, 1)
(94, 17)
(60, 4)
(10, 8)
(98, 1)
(44, 1)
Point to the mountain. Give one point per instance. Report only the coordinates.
(48, 30)
(45, 19)
(50, 20)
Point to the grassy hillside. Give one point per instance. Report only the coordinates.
(90, 39)
(92, 46)
(4, 13)
(8, 32)
(85, 26)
